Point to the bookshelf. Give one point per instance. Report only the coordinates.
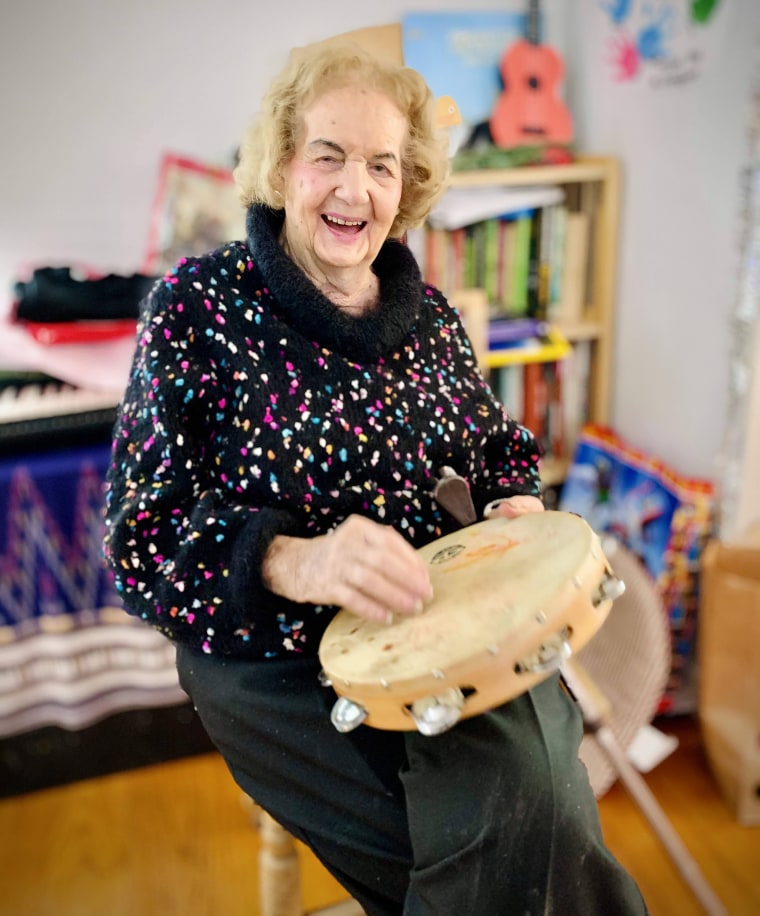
(581, 319)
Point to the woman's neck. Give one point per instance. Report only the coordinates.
(355, 290)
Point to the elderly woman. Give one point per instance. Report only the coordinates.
(292, 400)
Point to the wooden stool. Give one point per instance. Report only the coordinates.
(280, 875)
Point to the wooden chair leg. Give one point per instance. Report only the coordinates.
(279, 877)
(595, 709)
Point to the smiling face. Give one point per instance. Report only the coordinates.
(343, 185)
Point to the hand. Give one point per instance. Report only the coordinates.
(513, 506)
(363, 566)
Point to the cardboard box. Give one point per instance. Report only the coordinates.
(729, 670)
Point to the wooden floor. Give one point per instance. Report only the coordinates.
(178, 839)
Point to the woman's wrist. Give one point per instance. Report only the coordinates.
(280, 566)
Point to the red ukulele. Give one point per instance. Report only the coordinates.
(528, 112)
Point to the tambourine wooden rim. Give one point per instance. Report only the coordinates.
(507, 591)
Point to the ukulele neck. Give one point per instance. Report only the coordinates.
(533, 23)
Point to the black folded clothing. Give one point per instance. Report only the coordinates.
(53, 294)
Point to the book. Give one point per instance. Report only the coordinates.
(534, 399)
(491, 260)
(554, 439)
(465, 206)
(533, 304)
(571, 303)
(510, 390)
(478, 253)
(457, 255)
(544, 266)
(575, 372)
(436, 257)
(502, 242)
(518, 299)
(554, 346)
(503, 332)
(515, 258)
(557, 255)
(508, 237)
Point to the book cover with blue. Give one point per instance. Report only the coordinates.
(458, 53)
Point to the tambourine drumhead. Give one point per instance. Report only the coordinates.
(502, 588)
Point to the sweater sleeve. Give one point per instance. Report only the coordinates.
(186, 557)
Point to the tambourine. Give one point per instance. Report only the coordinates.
(513, 598)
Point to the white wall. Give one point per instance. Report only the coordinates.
(682, 146)
(94, 91)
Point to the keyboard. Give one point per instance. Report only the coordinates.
(52, 414)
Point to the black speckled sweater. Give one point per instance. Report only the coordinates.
(255, 407)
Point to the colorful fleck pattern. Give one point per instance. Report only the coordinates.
(254, 408)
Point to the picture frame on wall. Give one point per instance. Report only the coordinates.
(196, 208)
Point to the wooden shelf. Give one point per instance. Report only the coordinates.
(592, 187)
(582, 170)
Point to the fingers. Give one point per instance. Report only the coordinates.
(512, 506)
(370, 569)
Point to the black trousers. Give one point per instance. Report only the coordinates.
(494, 817)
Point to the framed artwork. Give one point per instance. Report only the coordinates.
(195, 210)
(458, 53)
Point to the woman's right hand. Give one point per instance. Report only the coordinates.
(361, 565)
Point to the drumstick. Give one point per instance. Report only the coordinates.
(452, 492)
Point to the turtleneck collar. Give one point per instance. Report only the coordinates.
(315, 316)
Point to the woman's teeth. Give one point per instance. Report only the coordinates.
(344, 222)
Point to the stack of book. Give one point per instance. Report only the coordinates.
(548, 397)
(526, 247)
